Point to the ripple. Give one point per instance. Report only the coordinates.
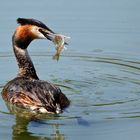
(96, 82)
(115, 103)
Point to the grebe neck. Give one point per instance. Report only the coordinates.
(25, 64)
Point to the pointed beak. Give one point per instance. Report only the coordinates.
(47, 33)
(50, 35)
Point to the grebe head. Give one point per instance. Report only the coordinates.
(30, 29)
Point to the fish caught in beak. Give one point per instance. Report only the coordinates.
(31, 29)
(59, 41)
(52, 36)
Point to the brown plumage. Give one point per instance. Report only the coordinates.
(26, 90)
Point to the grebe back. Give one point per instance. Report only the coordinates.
(26, 90)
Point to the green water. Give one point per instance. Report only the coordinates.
(99, 72)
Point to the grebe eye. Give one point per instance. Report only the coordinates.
(40, 30)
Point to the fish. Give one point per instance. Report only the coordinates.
(59, 42)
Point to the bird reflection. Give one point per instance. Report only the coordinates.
(23, 120)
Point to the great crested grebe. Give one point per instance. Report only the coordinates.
(26, 90)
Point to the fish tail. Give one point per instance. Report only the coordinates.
(56, 56)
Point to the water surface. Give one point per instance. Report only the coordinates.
(100, 71)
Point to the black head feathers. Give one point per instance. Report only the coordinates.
(24, 21)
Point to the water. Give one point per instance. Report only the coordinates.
(99, 72)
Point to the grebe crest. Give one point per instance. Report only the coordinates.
(26, 90)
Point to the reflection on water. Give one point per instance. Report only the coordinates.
(100, 71)
(25, 120)
(20, 131)
(108, 90)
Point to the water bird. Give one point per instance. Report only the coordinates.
(27, 90)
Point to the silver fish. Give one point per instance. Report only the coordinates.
(59, 41)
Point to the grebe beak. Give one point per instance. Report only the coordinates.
(47, 33)
(50, 35)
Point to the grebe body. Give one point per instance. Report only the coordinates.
(26, 90)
